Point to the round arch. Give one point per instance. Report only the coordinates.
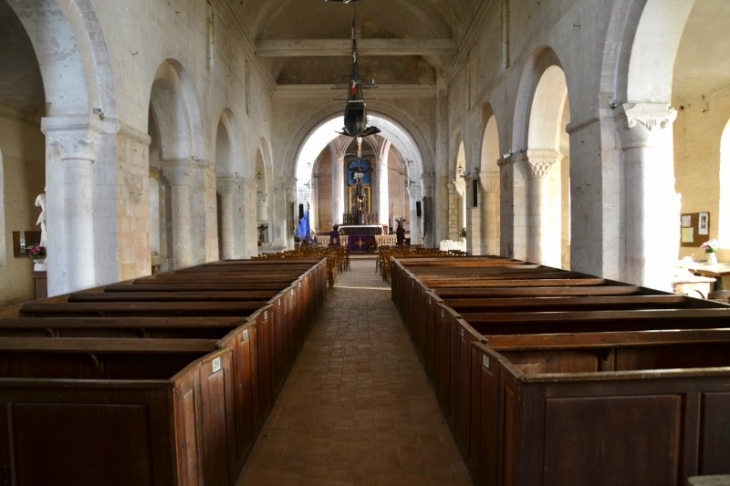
(489, 178)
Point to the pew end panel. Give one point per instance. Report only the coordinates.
(610, 427)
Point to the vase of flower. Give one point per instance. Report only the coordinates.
(711, 248)
(38, 254)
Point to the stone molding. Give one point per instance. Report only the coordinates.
(504, 162)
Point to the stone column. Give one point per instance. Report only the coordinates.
(429, 217)
(290, 184)
(490, 212)
(382, 175)
(338, 188)
(543, 215)
(652, 206)
(178, 174)
(453, 215)
(245, 225)
(73, 141)
(227, 187)
(513, 207)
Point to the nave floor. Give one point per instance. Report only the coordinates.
(356, 408)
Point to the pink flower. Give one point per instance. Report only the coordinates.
(710, 246)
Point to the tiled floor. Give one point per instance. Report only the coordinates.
(356, 408)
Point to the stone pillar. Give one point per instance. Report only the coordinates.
(290, 184)
(652, 206)
(543, 215)
(227, 187)
(338, 188)
(490, 212)
(513, 207)
(453, 216)
(245, 224)
(178, 174)
(74, 142)
(429, 217)
(382, 175)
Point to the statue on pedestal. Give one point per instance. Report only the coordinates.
(40, 201)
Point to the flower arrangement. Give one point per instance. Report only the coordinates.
(37, 252)
(710, 246)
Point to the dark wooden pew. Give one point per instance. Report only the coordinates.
(601, 408)
(140, 294)
(124, 327)
(115, 412)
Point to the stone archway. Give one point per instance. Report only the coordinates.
(229, 188)
(489, 183)
(175, 129)
(548, 174)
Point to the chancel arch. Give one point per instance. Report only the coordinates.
(394, 185)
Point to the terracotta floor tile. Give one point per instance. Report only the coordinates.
(356, 408)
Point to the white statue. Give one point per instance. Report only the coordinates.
(40, 201)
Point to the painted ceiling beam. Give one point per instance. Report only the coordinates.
(365, 47)
(382, 92)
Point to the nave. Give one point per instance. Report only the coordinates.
(357, 407)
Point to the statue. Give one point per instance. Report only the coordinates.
(40, 201)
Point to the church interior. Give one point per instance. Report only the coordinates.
(150, 136)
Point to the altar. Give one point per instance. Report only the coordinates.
(361, 229)
(360, 237)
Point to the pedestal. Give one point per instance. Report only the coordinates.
(40, 285)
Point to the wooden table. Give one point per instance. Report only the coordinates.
(714, 271)
(694, 286)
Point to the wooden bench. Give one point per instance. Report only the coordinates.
(494, 303)
(601, 408)
(115, 412)
(260, 324)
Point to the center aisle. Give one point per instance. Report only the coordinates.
(356, 408)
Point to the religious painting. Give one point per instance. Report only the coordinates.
(359, 204)
(359, 169)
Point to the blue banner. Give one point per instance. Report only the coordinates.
(303, 230)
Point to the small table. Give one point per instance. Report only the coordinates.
(714, 271)
(694, 286)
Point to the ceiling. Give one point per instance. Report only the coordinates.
(399, 41)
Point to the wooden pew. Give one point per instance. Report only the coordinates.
(505, 304)
(121, 327)
(652, 407)
(115, 412)
(261, 350)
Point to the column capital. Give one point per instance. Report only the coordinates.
(539, 162)
(74, 137)
(642, 122)
(489, 181)
(227, 184)
(177, 171)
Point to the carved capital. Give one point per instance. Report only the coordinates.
(73, 137)
(178, 172)
(539, 162)
(643, 122)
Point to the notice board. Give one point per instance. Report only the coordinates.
(695, 228)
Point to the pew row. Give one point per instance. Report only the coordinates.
(260, 334)
(497, 303)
